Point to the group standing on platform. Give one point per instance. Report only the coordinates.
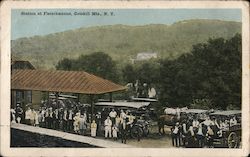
(117, 123)
(108, 123)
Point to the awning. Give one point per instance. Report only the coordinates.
(62, 81)
(123, 104)
(144, 100)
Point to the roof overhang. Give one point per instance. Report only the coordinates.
(62, 81)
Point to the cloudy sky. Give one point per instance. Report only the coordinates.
(24, 25)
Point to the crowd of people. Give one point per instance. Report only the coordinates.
(193, 132)
(109, 123)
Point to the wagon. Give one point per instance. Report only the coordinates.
(140, 126)
(200, 114)
(231, 136)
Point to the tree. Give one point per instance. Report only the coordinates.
(129, 74)
(65, 64)
(148, 72)
(97, 63)
(212, 71)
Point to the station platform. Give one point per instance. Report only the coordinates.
(69, 136)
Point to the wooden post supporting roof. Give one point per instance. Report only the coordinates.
(92, 108)
(110, 97)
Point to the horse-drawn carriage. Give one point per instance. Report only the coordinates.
(231, 135)
(171, 116)
(140, 126)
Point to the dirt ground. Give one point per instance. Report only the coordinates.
(153, 140)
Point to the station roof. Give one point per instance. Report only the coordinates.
(62, 81)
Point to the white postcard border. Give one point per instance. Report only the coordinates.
(5, 79)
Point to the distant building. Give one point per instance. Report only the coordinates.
(20, 64)
(24, 97)
(144, 56)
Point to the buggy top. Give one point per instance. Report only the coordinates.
(226, 113)
(195, 111)
(136, 105)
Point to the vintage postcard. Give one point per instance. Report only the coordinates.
(124, 78)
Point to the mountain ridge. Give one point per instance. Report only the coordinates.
(121, 42)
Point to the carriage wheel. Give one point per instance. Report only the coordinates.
(232, 140)
(136, 131)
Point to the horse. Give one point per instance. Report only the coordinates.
(169, 120)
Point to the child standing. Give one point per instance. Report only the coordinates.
(114, 132)
(93, 128)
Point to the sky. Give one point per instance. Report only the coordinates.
(23, 25)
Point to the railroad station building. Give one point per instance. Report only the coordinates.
(30, 85)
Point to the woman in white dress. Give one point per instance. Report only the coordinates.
(76, 122)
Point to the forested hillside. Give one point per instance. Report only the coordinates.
(121, 42)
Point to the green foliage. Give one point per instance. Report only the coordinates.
(97, 63)
(200, 63)
(148, 73)
(211, 72)
(129, 73)
(121, 42)
(65, 64)
(205, 104)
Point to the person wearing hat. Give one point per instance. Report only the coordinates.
(19, 113)
(117, 120)
(82, 124)
(27, 116)
(195, 124)
(233, 121)
(190, 137)
(210, 136)
(56, 119)
(60, 116)
(131, 120)
(175, 135)
(107, 125)
(201, 135)
(114, 131)
(183, 132)
(207, 121)
(123, 130)
(76, 122)
(123, 114)
(70, 120)
(46, 118)
(98, 122)
(50, 118)
(112, 116)
(65, 120)
(32, 117)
